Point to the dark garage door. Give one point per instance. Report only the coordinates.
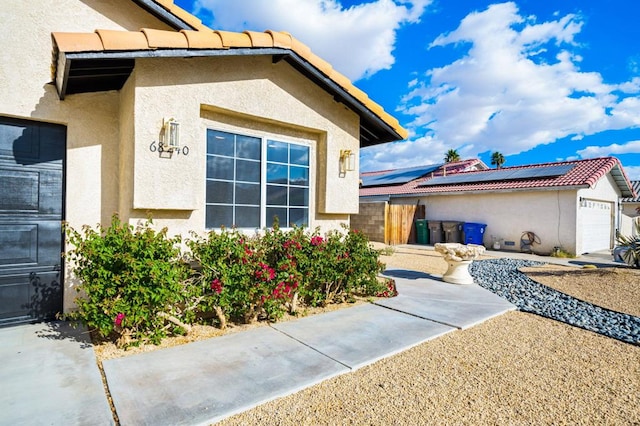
(31, 169)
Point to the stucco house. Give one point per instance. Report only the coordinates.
(630, 207)
(135, 107)
(571, 205)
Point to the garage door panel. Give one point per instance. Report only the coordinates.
(29, 296)
(30, 243)
(596, 225)
(19, 140)
(18, 244)
(30, 192)
(19, 191)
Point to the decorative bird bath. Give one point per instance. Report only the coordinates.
(459, 257)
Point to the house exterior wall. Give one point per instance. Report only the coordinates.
(247, 95)
(549, 214)
(109, 165)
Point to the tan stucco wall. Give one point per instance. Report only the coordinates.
(248, 95)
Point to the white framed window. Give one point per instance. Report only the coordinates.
(251, 181)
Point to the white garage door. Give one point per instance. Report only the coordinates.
(597, 225)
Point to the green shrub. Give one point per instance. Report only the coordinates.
(136, 285)
(131, 280)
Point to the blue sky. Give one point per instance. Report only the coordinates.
(538, 81)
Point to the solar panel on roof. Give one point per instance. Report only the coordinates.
(399, 176)
(501, 174)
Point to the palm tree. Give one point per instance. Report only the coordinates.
(451, 156)
(497, 159)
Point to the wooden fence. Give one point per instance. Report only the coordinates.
(399, 227)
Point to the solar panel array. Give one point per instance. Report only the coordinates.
(501, 174)
(399, 176)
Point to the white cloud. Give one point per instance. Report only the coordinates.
(518, 86)
(632, 147)
(633, 172)
(357, 41)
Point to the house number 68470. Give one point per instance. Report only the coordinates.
(159, 147)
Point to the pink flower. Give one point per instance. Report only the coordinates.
(216, 286)
(317, 240)
(118, 320)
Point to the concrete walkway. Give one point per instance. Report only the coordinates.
(49, 374)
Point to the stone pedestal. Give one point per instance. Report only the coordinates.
(459, 257)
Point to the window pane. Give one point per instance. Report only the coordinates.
(278, 152)
(219, 168)
(298, 197)
(299, 217)
(219, 192)
(219, 216)
(248, 193)
(248, 147)
(247, 171)
(280, 213)
(299, 155)
(277, 174)
(220, 143)
(247, 217)
(299, 176)
(276, 195)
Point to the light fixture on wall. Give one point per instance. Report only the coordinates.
(347, 161)
(170, 134)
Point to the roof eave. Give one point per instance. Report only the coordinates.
(620, 178)
(373, 129)
(489, 191)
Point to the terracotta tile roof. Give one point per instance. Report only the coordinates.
(635, 185)
(583, 174)
(148, 39)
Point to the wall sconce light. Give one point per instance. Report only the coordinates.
(347, 161)
(170, 134)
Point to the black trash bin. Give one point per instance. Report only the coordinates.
(452, 231)
(435, 232)
(422, 232)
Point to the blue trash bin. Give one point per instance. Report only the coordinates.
(473, 232)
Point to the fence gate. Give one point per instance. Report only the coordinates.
(400, 223)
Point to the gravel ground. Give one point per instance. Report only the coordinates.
(518, 369)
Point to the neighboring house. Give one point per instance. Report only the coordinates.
(394, 224)
(136, 108)
(630, 208)
(572, 205)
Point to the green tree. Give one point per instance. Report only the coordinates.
(497, 159)
(451, 156)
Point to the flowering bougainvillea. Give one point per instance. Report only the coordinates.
(234, 276)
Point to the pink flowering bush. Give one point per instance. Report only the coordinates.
(132, 280)
(137, 285)
(263, 277)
